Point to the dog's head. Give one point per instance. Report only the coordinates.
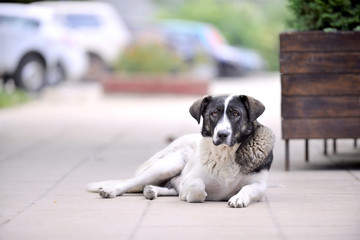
(227, 119)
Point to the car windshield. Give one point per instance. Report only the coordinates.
(82, 21)
(19, 22)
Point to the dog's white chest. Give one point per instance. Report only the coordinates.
(219, 161)
(217, 168)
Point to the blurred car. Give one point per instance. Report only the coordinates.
(96, 26)
(188, 38)
(34, 50)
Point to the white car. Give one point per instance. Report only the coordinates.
(96, 26)
(35, 51)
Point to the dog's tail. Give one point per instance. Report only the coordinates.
(96, 186)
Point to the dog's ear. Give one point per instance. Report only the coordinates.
(198, 107)
(254, 107)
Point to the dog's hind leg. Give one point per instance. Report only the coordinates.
(97, 186)
(151, 192)
(157, 172)
(170, 189)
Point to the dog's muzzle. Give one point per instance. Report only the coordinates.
(223, 137)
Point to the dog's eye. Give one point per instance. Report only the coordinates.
(235, 113)
(214, 114)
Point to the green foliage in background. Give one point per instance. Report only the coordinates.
(251, 24)
(14, 98)
(149, 59)
(27, 1)
(325, 15)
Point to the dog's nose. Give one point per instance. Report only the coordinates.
(222, 135)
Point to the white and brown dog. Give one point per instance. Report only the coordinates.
(229, 161)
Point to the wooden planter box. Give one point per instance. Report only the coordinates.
(155, 84)
(320, 83)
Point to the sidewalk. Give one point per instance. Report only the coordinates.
(51, 148)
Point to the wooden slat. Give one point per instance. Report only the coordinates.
(321, 128)
(320, 84)
(320, 62)
(320, 107)
(320, 79)
(315, 41)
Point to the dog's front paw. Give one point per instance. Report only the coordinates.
(193, 192)
(150, 192)
(196, 196)
(239, 201)
(107, 192)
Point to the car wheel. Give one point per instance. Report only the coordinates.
(227, 70)
(97, 68)
(221, 70)
(31, 73)
(57, 75)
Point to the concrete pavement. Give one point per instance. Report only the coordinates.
(52, 147)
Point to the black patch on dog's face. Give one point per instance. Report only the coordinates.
(210, 119)
(228, 119)
(226, 126)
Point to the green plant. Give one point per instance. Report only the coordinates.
(325, 15)
(14, 98)
(148, 59)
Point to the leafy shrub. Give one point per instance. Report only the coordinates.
(14, 98)
(148, 59)
(325, 15)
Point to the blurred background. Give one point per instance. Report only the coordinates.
(44, 43)
(67, 59)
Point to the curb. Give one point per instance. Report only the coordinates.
(152, 84)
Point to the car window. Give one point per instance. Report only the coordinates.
(19, 22)
(189, 40)
(81, 21)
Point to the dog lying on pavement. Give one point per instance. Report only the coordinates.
(228, 161)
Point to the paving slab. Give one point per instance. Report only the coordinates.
(52, 147)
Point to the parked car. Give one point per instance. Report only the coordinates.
(190, 37)
(34, 50)
(96, 26)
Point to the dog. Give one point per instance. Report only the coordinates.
(229, 161)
